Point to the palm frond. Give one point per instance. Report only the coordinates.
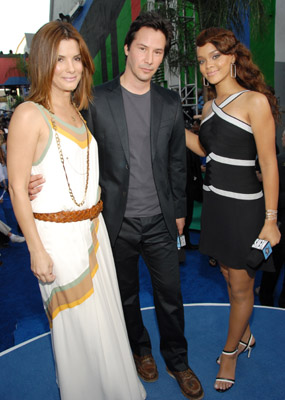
(230, 14)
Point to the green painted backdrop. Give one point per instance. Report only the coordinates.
(123, 23)
(263, 47)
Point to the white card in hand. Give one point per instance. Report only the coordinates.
(182, 240)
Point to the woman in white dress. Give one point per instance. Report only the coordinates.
(64, 229)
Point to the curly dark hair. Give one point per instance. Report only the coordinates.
(152, 20)
(248, 74)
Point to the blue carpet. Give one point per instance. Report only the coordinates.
(27, 372)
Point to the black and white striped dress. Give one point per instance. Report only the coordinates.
(233, 203)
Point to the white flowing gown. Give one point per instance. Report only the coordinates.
(91, 349)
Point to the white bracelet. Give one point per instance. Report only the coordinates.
(271, 214)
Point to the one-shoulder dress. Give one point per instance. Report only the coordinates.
(91, 349)
(233, 208)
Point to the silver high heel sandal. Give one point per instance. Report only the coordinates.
(247, 347)
(227, 380)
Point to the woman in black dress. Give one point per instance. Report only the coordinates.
(236, 126)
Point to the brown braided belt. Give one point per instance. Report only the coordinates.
(71, 216)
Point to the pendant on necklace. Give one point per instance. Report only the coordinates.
(73, 118)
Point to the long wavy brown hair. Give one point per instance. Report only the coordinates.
(43, 58)
(248, 74)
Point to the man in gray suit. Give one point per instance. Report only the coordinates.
(139, 129)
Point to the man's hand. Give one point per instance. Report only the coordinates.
(35, 185)
(180, 222)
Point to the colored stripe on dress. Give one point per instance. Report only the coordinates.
(208, 117)
(81, 143)
(76, 292)
(233, 195)
(229, 118)
(230, 161)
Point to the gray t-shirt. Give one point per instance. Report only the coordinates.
(142, 195)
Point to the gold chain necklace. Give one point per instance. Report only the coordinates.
(62, 158)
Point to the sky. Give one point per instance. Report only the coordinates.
(19, 17)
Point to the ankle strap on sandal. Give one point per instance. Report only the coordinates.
(229, 353)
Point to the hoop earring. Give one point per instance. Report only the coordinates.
(205, 82)
(233, 71)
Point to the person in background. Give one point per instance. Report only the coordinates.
(65, 232)
(6, 230)
(236, 126)
(3, 168)
(194, 186)
(6, 235)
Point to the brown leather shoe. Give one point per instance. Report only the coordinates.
(189, 383)
(146, 367)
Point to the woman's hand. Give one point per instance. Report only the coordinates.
(42, 266)
(270, 232)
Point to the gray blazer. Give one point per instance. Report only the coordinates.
(106, 120)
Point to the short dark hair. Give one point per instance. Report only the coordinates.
(152, 20)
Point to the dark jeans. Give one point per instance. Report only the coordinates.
(149, 237)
